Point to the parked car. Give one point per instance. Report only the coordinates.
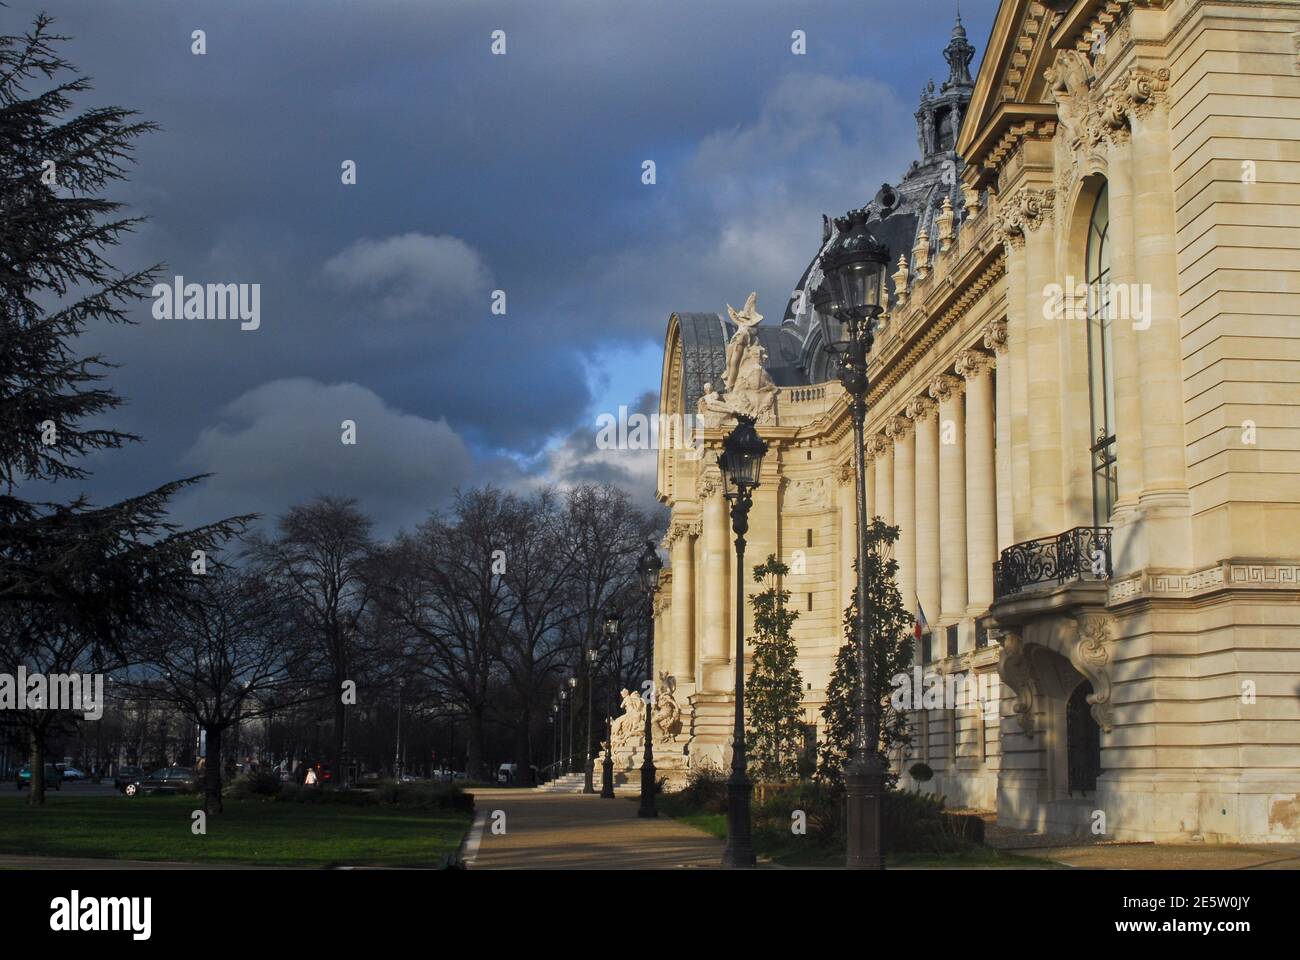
(163, 780)
(126, 775)
(52, 777)
(73, 773)
(509, 773)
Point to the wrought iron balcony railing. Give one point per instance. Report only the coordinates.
(1079, 554)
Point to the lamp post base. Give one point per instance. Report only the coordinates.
(647, 808)
(864, 781)
(739, 851)
(607, 779)
(588, 784)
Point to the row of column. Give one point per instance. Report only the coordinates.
(933, 474)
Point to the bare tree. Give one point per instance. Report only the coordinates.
(226, 657)
(321, 557)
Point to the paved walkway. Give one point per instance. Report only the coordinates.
(566, 831)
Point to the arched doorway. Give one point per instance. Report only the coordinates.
(1082, 742)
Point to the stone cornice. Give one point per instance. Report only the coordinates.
(965, 294)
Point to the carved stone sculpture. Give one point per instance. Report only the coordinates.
(667, 713)
(750, 390)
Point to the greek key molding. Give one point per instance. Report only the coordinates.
(1229, 575)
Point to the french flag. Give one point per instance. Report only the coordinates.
(921, 623)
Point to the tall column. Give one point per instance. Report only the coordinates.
(981, 479)
(899, 430)
(922, 412)
(1043, 359)
(995, 339)
(716, 586)
(848, 532)
(1123, 272)
(1017, 405)
(952, 495)
(1164, 496)
(882, 452)
(682, 537)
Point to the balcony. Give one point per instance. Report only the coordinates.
(1079, 554)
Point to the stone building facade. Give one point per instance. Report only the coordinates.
(1084, 420)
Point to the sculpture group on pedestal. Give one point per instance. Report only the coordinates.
(750, 390)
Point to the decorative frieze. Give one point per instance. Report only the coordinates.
(1181, 586)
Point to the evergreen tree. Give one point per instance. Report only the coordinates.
(891, 643)
(774, 690)
(75, 579)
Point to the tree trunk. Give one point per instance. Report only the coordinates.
(474, 749)
(37, 766)
(212, 772)
(340, 720)
(523, 762)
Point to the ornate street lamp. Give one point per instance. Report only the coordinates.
(607, 768)
(854, 284)
(555, 738)
(573, 705)
(740, 462)
(647, 570)
(564, 761)
(589, 766)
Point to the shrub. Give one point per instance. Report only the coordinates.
(706, 788)
(255, 784)
(920, 772)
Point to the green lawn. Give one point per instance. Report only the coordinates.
(248, 832)
(790, 850)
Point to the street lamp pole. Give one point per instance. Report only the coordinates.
(648, 568)
(573, 720)
(739, 463)
(564, 761)
(590, 765)
(852, 292)
(607, 768)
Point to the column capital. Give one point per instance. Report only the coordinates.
(995, 336)
(847, 473)
(898, 428)
(710, 482)
(920, 409)
(877, 446)
(973, 363)
(1023, 212)
(945, 387)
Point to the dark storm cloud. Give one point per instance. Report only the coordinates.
(474, 173)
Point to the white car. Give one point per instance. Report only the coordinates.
(72, 773)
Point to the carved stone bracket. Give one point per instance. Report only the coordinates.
(1090, 658)
(1016, 672)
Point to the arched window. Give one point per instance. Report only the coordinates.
(1101, 365)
